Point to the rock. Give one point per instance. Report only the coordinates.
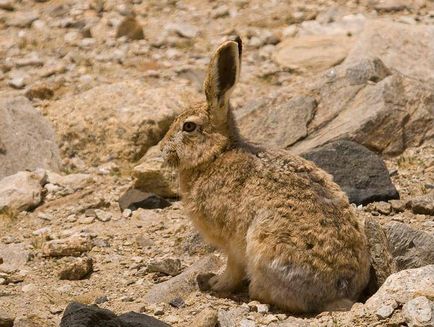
(127, 125)
(130, 28)
(231, 317)
(32, 59)
(17, 82)
(78, 269)
(77, 314)
(168, 266)
(361, 102)
(351, 24)
(27, 140)
(411, 248)
(30, 320)
(29, 288)
(73, 181)
(14, 256)
(390, 5)
(177, 303)
(262, 308)
(419, 312)
(127, 213)
(247, 323)
(6, 320)
(73, 245)
(133, 199)
(297, 113)
(151, 176)
(381, 207)
(390, 42)
(397, 205)
(423, 204)
(206, 318)
(382, 262)
(360, 173)
(183, 29)
(219, 12)
(184, 283)
(21, 191)
(194, 244)
(39, 91)
(293, 322)
(402, 287)
(22, 19)
(312, 53)
(6, 5)
(103, 215)
(385, 311)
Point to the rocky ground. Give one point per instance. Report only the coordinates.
(88, 88)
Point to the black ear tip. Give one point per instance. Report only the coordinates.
(240, 44)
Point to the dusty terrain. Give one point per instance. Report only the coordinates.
(62, 50)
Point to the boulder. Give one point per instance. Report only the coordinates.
(296, 113)
(77, 314)
(27, 139)
(406, 48)
(402, 287)
(151, 175)
(360, 173)
(123, 122)
(411, 248)
(360, 101)
(21, 191)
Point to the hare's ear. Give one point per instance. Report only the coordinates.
(223, 72)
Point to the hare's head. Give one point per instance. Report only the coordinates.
(203, 131)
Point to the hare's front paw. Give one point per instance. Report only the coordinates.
(222, 283)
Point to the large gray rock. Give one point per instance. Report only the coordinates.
(407, 48)
(27, 140)
(121, 120)
(21, 191)
(360, 173)
(360, 101)
(286, 123)
(411, 248)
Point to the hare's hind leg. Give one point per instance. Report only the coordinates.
(288, 293)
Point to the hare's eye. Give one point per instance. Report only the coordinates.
(189, 126)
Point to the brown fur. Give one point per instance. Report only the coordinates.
(282, 221)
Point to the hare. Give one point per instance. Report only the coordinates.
(282, 222)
